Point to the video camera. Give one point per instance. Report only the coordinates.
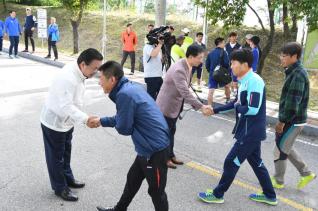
(157, 34)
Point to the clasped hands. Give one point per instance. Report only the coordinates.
(93, 122)
(207, 110)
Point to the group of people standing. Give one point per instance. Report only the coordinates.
(12, 29)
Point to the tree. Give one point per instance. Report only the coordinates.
(231, 13)
(76, 9)
(4, 5)
(160, 7)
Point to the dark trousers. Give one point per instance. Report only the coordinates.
(58, 148)
(155, 171)
(52, 44)
(197, 69)
(1, 43)
(28, 33)
(172, 124)
(241, 151)
(132, 59)
(14, 43)
(153, 86)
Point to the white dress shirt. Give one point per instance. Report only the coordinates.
(65, 99)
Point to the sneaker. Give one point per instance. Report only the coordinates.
(16, 56)
(55, 59)
(131, 74)
(11, 57)
(105, 209)
(260, 197)
(305, 180)
(25, 51)
(208, 197)
(276, 184)
(47, 57)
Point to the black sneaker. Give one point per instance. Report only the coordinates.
(25, 51)
(99, 208)
(47, 57)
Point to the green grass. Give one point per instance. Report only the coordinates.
(91, 34)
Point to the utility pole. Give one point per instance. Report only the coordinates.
(205, 24)
(104, 39)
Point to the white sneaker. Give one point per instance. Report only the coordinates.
(11, 57)
(16, 56)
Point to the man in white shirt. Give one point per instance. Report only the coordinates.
(59, 114)
(152, 61)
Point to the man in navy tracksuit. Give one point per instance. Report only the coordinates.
(249, 131)
(13, 29)
(139, 116)
(231, 46)
(29, 27)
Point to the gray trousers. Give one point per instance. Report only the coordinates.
(284, 150)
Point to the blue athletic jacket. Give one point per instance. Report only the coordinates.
(250, 107)
(12, 26)
(214, 59)
(255, 59)
(54, 32)
(139, 116)
(1, 28)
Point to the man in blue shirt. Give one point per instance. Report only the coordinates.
(213, 60)
(13, 30)
(138, 116)
(1, 34)
(249, 131)
(29, 27)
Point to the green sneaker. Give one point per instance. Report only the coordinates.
(260, 197)
(275, 184)
(208, 197)
(305, 180)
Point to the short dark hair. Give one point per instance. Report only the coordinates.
(112, 68)
(151, 25)
(11, 11)
(194, 50)
(242, 56)
(292, 48)
(128, 24)
(233, 34)
(89, 55)
(171, 27)
(218, 40)
(255, 40)
(199, 34)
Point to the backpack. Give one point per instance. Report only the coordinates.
(220, 73)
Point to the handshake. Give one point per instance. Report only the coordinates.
(93, 122)
(207, 110)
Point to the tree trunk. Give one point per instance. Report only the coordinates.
(294, 26)
(270, 38)
(160, 12)
(75, 25)
(4, 6)
(285, 21)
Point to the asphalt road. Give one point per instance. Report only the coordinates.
(102, 158)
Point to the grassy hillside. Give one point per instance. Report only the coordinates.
(91, 34)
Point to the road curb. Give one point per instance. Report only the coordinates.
(309, 130)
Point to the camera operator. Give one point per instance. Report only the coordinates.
(152, 61)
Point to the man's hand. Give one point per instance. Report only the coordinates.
(32, 29)
(279, 127)
(93, 122)
(207, 110)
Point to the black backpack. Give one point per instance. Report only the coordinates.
(220, 73)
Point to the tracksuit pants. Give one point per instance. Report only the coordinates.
(153, 86)
(154, 170)
(284, 150)
(14, 43)
(28, 33)
(58, 148)
(241, 151)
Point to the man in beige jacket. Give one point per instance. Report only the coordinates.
(175, 92)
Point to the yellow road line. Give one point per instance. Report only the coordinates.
(215, 173)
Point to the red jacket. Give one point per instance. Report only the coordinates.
(129, 40)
